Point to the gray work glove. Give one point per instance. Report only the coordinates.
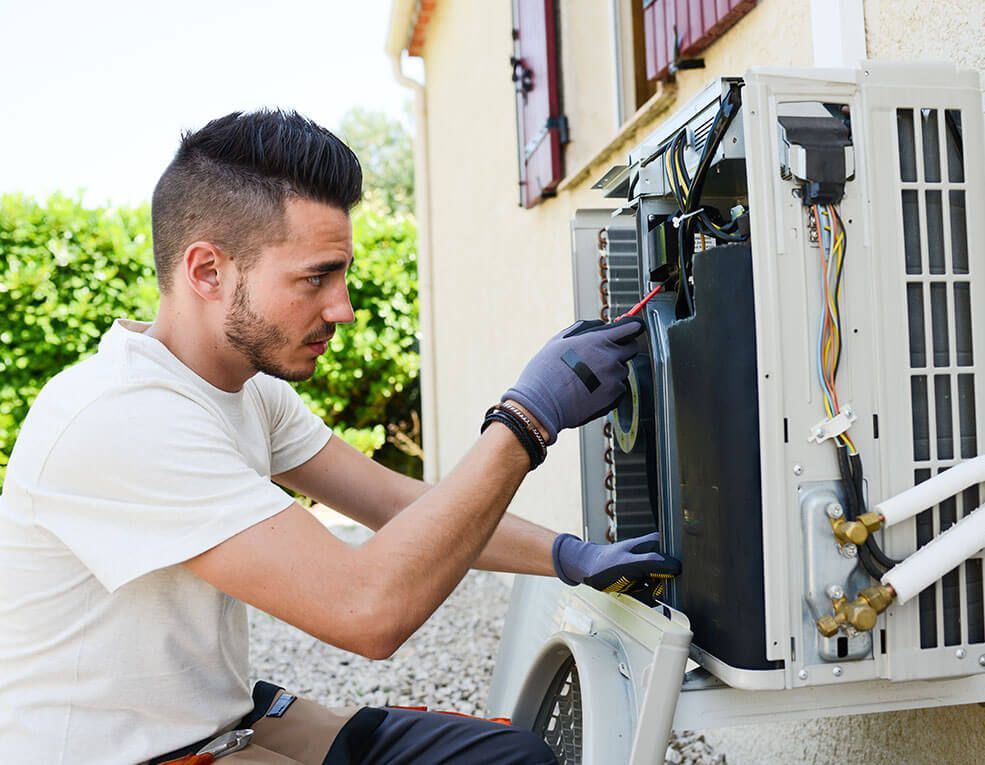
(578, 375)
(628, 566)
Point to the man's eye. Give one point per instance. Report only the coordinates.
(314, 281)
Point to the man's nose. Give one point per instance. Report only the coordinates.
(339, 310)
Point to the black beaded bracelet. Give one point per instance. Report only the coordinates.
(534, 450)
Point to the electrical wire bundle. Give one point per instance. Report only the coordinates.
(687, 192)
(834, 241)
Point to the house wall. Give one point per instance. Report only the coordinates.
(502, 274)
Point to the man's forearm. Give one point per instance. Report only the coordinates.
(516, 547)
(422, 553)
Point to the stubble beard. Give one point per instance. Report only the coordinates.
(256, 338)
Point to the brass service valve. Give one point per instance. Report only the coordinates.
(860, 613)
(857, 531)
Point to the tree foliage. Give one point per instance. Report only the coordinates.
(67, 271)
(386, 154)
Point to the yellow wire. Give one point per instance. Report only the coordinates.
(833, 340)
(680, 178)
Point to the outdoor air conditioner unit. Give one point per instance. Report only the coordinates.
(816, 353)
(846, 281)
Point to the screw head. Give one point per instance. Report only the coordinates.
(981, 660)
(798, 469)
(803, 673)
(835, 592)
(837, 671)
(961, 653)
(834, 510)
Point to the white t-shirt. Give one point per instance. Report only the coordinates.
(128, 464)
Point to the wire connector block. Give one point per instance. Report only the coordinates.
(833, 427)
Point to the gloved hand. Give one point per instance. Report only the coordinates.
(627, 566)
(578, 375)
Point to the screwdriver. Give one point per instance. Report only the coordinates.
(639, 306)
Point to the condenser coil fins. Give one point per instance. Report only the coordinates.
(632, 482)
(715, 390)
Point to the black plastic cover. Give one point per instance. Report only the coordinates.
(714, 378)
(824, 139)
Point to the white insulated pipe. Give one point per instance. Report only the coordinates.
(933, 491)
(939, 556)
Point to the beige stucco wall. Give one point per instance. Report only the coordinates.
(502, 274)
(953, 30)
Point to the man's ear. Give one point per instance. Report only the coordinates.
(206, 269)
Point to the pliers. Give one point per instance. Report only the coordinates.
(218, 747)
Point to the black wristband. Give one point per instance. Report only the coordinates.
(533, 431)
(518, 430)
(533, 435)
(534, 451)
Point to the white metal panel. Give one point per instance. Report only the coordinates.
(928, 92)
(875, 372)
(785, 275)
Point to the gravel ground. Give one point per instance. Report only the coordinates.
(446, 664)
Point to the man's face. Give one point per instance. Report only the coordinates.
(285, 307)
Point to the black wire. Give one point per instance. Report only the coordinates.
(854, 501)
(858, 477)
(851, 492)
(674, 155)
(683, 288)
(884, 560)
(685, 302)
(719, 126)
(871, 565)
(724, 232)
(679, 146)
(723, 118)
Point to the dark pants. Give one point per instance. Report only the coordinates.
(407, 736)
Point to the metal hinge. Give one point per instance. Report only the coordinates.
(561, 125)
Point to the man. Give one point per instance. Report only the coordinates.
(142, 507)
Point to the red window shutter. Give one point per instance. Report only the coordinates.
(541, 128)
(685, 27)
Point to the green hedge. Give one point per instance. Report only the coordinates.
(67, 271)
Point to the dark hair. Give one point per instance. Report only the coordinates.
(228, 184)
